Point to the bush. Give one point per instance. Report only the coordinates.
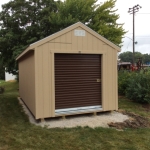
(138, 88)
(123, 82)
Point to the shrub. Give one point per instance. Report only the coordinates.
(123, 82)
(138, 88)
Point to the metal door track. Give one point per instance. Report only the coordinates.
(78, 110)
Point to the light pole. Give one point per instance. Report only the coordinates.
(133, 10)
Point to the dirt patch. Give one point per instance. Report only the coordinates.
(147, 107)
(135, 121)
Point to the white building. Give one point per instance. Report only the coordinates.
(9, 76)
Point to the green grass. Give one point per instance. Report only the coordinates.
(131, 106)
(16, 133)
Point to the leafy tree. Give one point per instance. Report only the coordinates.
(138, 55)
(101, 18)
(146, 58)
(128, 57)
(104, 21)
(72, 11)
(24, 22)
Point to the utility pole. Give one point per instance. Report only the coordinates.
(132, 11)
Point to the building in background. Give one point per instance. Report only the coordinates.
(9, 76)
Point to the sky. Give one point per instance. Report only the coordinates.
(142, 24)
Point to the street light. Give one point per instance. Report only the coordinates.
(133, 10)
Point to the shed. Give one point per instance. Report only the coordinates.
(73, 71)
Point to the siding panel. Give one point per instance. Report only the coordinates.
(39, 83)
(46, 86)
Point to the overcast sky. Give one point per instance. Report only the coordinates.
(142, 24)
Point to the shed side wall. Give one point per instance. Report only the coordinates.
(109, 75)
(27, 81)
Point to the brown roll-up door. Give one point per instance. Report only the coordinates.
(77, 80)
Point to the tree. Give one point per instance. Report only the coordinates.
(101, 18)
(146, 58)
(128, 57)
(2, 70)
(24, 22)
(72, 11)
(137, 56)
(104, 21)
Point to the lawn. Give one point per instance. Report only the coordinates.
(16, 133)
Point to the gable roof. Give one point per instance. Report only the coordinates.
(55, 35)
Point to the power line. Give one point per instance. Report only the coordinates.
(127, 45)
(142, 37)
(143, 13)
(138, 37)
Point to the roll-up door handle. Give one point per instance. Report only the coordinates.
(98, 80)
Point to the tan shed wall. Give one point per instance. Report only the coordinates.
(27, 80)
(68, 43)
(109, 79)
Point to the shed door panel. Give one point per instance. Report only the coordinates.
(76, 83)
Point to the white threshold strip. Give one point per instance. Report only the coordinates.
(78, 110)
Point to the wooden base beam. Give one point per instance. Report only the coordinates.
(42, 120)
(95, 113)
(63, 117)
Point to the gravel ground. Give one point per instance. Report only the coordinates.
(100, 120)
